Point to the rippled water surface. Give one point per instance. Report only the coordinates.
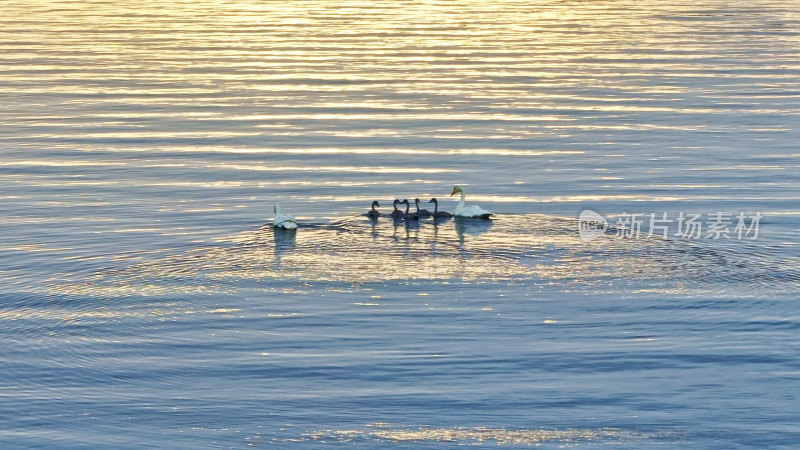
(146, 302)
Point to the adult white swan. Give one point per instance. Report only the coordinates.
(283, 220)
(468, 211)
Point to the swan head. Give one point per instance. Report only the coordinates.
(416, 200)
(433, 200)
(457, 190)
(405, 202)
(375, 204)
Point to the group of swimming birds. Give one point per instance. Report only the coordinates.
(473, 211)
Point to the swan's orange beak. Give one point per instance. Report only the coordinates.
(454, 192)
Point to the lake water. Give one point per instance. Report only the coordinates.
(146, 302)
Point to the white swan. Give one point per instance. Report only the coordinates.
(283, 220)
(468, 211)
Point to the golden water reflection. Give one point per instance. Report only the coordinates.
(535, 250)
(481, 435)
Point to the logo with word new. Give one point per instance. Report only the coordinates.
(591, 225)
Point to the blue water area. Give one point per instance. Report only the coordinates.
(147, 302)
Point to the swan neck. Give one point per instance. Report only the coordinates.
(435, 206)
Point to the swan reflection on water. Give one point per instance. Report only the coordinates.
(470, 227)
(464, 227)
(373, 223)
(412, 224)
(285, 242)
(441, 220)
(543, 249)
